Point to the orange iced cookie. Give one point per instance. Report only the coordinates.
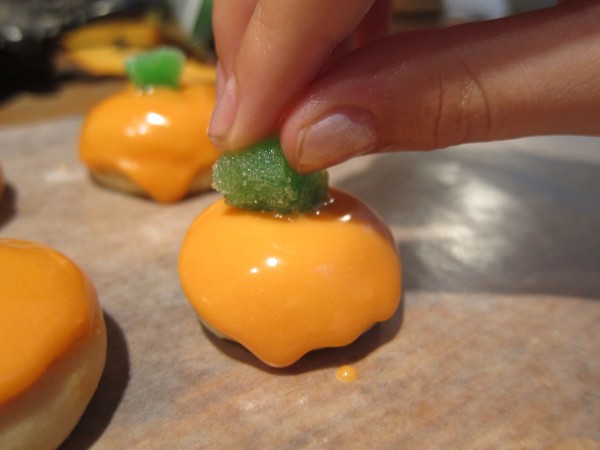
(52, 345)
(151, 139)
(283, 284)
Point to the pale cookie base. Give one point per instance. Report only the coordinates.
(117, 180)
(214, 331)
(44, 416)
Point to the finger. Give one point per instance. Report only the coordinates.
(376, 23)
(524, 75)
(230, 20)
(284, 47)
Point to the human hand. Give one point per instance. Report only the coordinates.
(536, 73)
(270, 51)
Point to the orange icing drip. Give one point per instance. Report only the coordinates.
(282, 286)
(157, 138)
(46, 304)
(346, 374)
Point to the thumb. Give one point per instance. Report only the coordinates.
(530, 74)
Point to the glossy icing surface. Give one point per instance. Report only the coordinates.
(46, 304)
(283, 286)
(157, 138)
(346, 374)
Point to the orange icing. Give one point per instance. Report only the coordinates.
(346, 374)
(46, 304)
(156, 138)
(282, 286)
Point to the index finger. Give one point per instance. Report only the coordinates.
(230, 20)
(284, 47)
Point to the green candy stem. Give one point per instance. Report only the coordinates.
(261, 179)
(160, 67)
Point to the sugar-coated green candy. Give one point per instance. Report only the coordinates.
(160, 67)
(261, 179)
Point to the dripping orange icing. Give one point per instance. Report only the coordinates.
(157, 138)
(346, 374)
(46, 305)
(283, 286)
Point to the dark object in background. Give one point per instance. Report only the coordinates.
(29, 30)
(26, 24)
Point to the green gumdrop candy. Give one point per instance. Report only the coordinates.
(261, 179)
(160, 67)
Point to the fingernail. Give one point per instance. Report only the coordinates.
(223, 115)
(336, 137)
